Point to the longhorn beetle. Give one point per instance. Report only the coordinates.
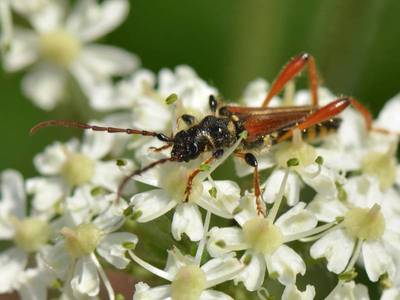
(265, 126)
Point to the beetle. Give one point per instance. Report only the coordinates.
(265, 126)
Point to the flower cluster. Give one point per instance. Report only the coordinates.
(329, 226)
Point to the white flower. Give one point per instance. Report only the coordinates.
(369, 228)
(171, 180)
(73, 164)
(188, 279)
(61, 44)
(28, 233)
(73, 259)
(264, 240)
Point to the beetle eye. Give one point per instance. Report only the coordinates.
(193, 149)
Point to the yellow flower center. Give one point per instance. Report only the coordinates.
(381, 165)
(82, 240)
(189, 283)
(59, 47)
(78, 169)
(303, 152)
(364, 223)
(30, 233)
(263, 236)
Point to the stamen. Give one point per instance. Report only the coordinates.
(311, 232)
(355, 256)
(106, 281)
(219, 161)
(315, 237)
(203, 240)
(274, 211)
(156, 271)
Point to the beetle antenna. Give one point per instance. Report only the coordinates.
(138, 172)
(74, 124)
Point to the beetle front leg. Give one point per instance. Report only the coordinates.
(290, 70)
(189, 184)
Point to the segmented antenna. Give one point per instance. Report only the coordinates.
(138, 172)
(74, 124)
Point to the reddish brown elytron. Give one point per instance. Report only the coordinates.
(221, 129)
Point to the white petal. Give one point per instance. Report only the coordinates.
(246, 209)
(111, 248)
(336, 247)
(152, 204)
(214, 295)
(144, 292)
(388, 116)
(292, 293)
(55, 258)
(98, 88)
(192, 91)
(253, 274)
(151, 115)
(13, 262)
(97, 144)
(176, 260)
(296, 220)
(52, 159)
(223, 240)
(50, 16)
(324, 183)
(286, 263)
(85, 279)
(377, 260)
(327, 210)
(46, 192)
(227, 198)
(221, 269)
(32, 285)
(273, 184)
(45, 85)
(348, 290)
(22, 51)
(91, 20)
(352, 130)
(109, 60)
(12, 193)
(110, 176)
(187, 219)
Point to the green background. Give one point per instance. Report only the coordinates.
(230, 42)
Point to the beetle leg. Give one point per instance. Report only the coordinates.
(213, 103)
(188, 119)
(251, 160)
(216, 154)
(290, 70)
(159, 149)
(329, 111)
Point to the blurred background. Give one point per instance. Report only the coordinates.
(230, 42)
